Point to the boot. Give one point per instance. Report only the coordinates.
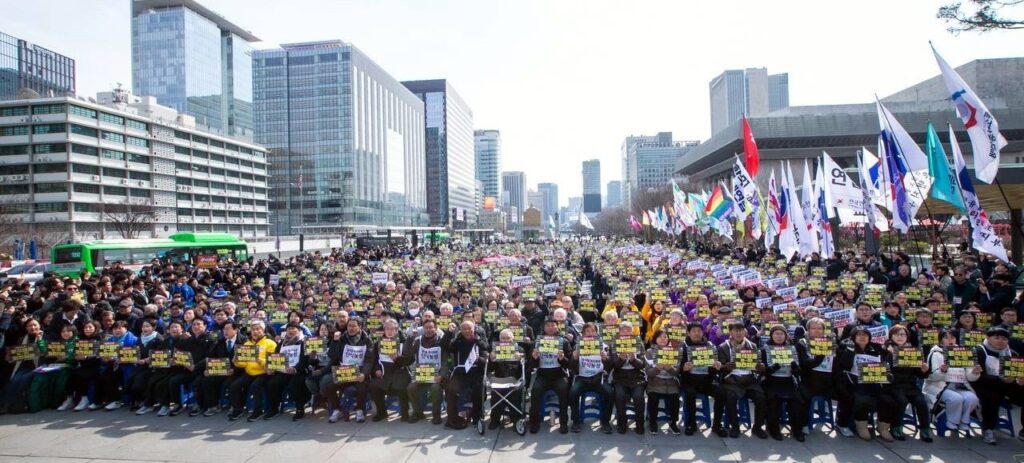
(862, 429)
(883, 431)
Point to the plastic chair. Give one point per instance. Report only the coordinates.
(743, 412)
(593, 410)
(703, 416)
(821, 412)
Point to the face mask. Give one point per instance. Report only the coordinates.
(414, 312)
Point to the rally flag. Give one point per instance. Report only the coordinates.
(773, 212)
(809, 206)
(744, 190)
(848, 199)
(634, 224)
(789, 240)
(873, 178)
(907, 169)
(945, 187)
(750, 155)
(828, 247)
(983, 236)
(981, 125)
(585, 222)
(717, 206)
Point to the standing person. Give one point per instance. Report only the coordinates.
(254, 377)
(662, 382)
(293, 378)
(351, 349)
(856, 398)
(551, 375)
(903, 389)
(469, 352)
(428, 349)
(951, 386)
(700, 380)
(209, 389)
(741, 383)
(992, 388)
(780, 384)
(628, 377)
(391, 372)
(198, 346)
(590, 377)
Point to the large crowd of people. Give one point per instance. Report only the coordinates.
(493, 335)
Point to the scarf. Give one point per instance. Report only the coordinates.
(146, 338)
(1002, 353)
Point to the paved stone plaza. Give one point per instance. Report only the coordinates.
(121, 436)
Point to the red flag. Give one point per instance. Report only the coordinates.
(751, 158)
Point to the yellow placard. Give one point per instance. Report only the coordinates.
(159, 359)
(874, 373)
(182, 358)
(667, 356)
(505, 351)
(824, 345)
(960, 357)
(246, 354)
(426, 373)
(550, 344)
(388, 347)
(345, 374)
(746, 359)
(590, 346)
(277, 362)
(909, 357)
(22, 352)
(217, 367)
(702, 356)
(108, 351)
(314, 346)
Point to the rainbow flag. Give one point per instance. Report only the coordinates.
(717, 205)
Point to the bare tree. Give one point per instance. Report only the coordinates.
(129, 220)
(613, 222)
(980, 15)
(650, 198)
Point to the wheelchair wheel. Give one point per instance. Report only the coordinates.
(521, 427)
(480, 426)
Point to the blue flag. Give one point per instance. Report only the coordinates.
(945, 186)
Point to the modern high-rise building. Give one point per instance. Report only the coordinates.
(750, 92)
(592, 186)
(536, 199)
(573, 211)
(487, 146)
(613, 196)
(194, 61)
(80, 170)
(346, 139)
(24, 65)
(550, 192)
(648, 161)
(451, 161)
(513, 192)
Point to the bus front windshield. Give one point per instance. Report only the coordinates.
(68, 254)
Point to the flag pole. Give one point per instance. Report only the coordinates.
(910, 226)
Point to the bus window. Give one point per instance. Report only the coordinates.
(145, 256)
(109, 256)
(68, 255)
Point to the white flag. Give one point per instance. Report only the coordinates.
(808, 205)
(744, 191)
(585, 221)
(872, 176)
(983, 235)
(773, 206)
(823, 209)
(981, 125)
(906, 168)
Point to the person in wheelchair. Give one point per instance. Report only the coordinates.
(512, 369)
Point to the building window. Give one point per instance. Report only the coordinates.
(49, 109)
(86, 188)
(11, 131)
(138, 142)
(184, 211)
(139, 193)
(117, 173)
(181, 150)
(88, 207)
(114, 137)
(14, 111)
(49, 168)
(141, 159)
(133, 124)
(202, 198)
(85, 169)
(201, 184)
(82, 149)
(198, 139)
(50, 148)
(140, 176)
(51, 187)
(112, 154)
(48, 128)
(115, 190)
(184, 197)
(111, 119)
(17, 169)
(81, 130)
(13, 149)
(182, 135)
(181, 165)
(83, 112)
(51, 207)
(13, 189)
(216, 157)
(15, 208)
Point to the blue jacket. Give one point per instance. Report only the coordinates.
(186, 291)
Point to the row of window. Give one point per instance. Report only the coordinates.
(198, 154)
(215, 143)
(215, 199)
(108, 118)
(187, 212)
(62, 187)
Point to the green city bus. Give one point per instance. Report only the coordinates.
(91, 256)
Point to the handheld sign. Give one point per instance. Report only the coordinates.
(57, 350)
(960, 357)
(314, 346)
(277, 363)
(625, 345)
(676, 334)
(246, 354)
(217, 367)
(22, 353)
(550, 344)
(972, 338)
(345, 374)
(909, 357)
(928, 337)
(85, 349)
(746, 359)
(128, 355)
(667, 356)
(782, 355)
(426, 373)
(388, 347)
(590, 346)
(108, 351)
(1012, 367)
(505, 352)
(874, 373)
(159, 359)
(182, 358)
(702, 356)
(822, 346)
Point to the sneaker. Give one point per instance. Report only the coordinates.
(211, 411)
(653, 428)
(335, 416)
(416, 417)
(113, 406)
(66, 405)
(563, 429)
(378, 417)
(360, 416)
(299, 414)
(735, 432)
(674, 428)
(436, 420)
(606, 428)
(989, 437)
(255, 415)
(576, 427)
(93, 407)
(269, 416)
(164, 411)
(760, 433)
(175, 410)
(82, 404)
(845, 431)
(196, 411)
(143, 410)
(690, 430)
(234, 415)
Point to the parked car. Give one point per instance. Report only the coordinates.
(26, 272)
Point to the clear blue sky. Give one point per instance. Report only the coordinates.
(566, 80)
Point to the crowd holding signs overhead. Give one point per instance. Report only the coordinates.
(498, 333)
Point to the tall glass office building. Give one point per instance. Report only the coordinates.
(487, 146)
(346, 140)
(451, 170)
(194, 61)
(25, 65)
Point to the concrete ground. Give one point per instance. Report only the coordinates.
(121, 436)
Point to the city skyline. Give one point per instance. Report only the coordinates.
(674, 98)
